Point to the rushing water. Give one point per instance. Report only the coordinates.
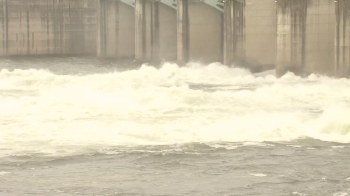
(85, 127)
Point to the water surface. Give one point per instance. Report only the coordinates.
(78, 126)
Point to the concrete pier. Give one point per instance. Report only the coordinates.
(200, 32)
(116, 29)
(291, 30)
(305, 36)
(41, 27)
(342, 55)
(234, 29)
(250, 34)
(156, 34)
(260, 34)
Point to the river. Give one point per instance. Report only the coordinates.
(82, 126)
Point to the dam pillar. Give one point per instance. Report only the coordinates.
(156, 34)
(250, 34)
(305, 36)
(260, 35)
(200, 31)
(291, 31)
(3, 28)
(234, 38)
(116, 29)
(342, 54)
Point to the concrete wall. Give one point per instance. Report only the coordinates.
(250, 34)
(116, 29)
(342, 55)
(305, 36)
(234, 28)
(291, 29)
(167, 36)
(320, 36)
(142, 26)
(34, 27)
(156, 34)
(182, 31)
(260, 34)
(200, 35)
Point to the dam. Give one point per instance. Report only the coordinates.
(301, 36)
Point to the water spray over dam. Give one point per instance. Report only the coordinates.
(160, 104)
(302, 36)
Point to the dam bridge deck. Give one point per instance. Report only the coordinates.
(217, 4)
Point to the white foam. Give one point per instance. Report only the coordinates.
(63, 114)
(4, 173)
(227, 147)
(259, 175)
(298, 193)
(340, 194)
(338, 146)
(295, 146)
(256, 144)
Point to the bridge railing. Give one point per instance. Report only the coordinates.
(129, 2)
(170, 3)
(217, 4)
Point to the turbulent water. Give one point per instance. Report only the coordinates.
(78, 126)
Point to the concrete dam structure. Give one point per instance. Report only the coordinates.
(342, 50)
(156, 38)
(116, 29)
(305, 36)
(302, 36)
(42, 27)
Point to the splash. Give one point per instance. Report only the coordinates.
(42, 112)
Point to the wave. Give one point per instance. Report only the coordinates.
(45, 112)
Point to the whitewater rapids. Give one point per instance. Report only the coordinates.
(61, 113)
(80, 126)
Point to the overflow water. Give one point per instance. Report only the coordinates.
(73, 115)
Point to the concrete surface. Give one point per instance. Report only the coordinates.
(302, 36)
(41, 27)
(156, 35)
(200, 35)
(305, 36)
(116, 30)
(342, 55)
